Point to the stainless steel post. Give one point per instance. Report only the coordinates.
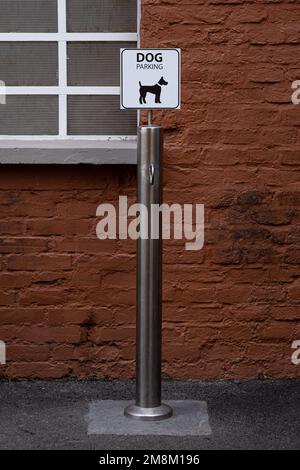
(148, 404)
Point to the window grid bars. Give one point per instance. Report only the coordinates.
(62, 37)
(62, 69)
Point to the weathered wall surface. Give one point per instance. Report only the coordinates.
(231, 310)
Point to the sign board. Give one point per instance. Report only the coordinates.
(150, 78)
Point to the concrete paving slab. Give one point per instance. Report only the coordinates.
(190, 418)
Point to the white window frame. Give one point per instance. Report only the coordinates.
(63, 148)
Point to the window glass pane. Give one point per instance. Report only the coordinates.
(28, 16)
(95, 63)
(99, 115)
(102, 16)
(29, 63)
(29, 115)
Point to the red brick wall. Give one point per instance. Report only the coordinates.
(231, 310)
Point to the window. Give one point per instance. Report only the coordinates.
(59, 61)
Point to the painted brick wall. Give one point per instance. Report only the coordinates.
(231, 310)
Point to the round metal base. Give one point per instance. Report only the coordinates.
(149, 414)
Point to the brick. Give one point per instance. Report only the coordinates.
(178, 352)
(51, 227)
(252, 234)
(38, 370)
(250, 198)
(194, 314)
(27, 353)
(43, 297)
(68, 352)
(7, 298)
(269, 295)
(250, 312)
(100, 334)
(226, 256)
(106, 353)
(257, 256)
(234, 294)
(195, 295)
(288, 198)
(294, 293)
(290, 157)
(266, 74)
(15, 280)
(39, 262)
(11, 227)
(64, 352)
(43, 334)
(239, 332)
(277, 331)
(273, 216)
(73, 316)
(21, 316)
(220, 351)
(292, 255)
(9, 332)
(263, 351)
(23, 245)
(285, 312)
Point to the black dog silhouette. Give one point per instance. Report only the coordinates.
(155, 90)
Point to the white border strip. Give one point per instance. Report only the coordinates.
(62, 90)
(41, 138)
(61, 36)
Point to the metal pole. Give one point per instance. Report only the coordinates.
(148, 406)
(150, 115)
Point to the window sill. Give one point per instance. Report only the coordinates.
(68, 152)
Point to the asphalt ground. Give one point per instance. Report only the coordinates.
(242, 415)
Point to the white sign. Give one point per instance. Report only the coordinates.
(150, 78)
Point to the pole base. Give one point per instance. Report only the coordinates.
(149, 414)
